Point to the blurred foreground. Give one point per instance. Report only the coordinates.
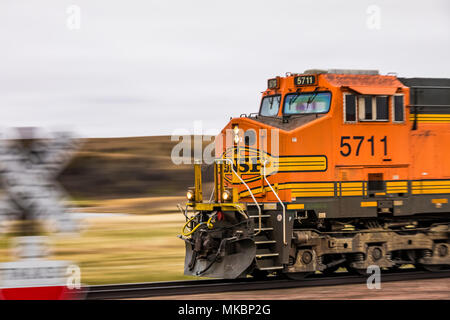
(126, 192)
(120, 249)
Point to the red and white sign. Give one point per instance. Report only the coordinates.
(36, 279)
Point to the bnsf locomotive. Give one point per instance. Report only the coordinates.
(339, 168)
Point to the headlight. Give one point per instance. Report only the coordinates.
(226, 195)
(190, 195)
(236, 133)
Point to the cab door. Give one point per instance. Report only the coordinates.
(350, 190)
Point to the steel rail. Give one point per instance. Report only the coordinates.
(159, 289)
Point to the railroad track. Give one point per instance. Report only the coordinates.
(155, 289)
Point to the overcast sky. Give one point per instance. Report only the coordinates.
(148, 67)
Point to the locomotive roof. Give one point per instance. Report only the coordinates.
(356, 80)
(439, 82)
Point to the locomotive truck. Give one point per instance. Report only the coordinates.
(339, 168)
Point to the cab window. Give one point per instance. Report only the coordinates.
(399, 109)
(306, 103)
(373, 108)
(270, 106)
(367, 108)
(350, 108)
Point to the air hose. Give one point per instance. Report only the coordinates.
(208, 223)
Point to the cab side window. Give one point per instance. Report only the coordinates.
(350, 108)
(371, 108)
(365, 107)
(399, 109)
(382, 108)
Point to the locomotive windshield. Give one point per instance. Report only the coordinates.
(270, 106)
(302, 103)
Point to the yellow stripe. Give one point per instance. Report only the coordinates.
(301, 163)
(313, 194)
(431, 183)
(396, 190)
(313, 189)
(300, 168)
(351, 184)
(351, 189)
(295, 206)
(432, 118)
(369, 204)
(439, 200)
(309, 185)
(396, 184)
(443, 190)
(300, 159)
(434, 122)
(430, 188)
(435, 118)
(430, 115)
(360, 193)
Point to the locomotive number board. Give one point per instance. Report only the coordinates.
(309, 80)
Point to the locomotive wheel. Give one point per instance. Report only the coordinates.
(297, 275)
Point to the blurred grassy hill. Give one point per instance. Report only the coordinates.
(114, 174)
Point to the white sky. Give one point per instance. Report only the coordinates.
(148, 67)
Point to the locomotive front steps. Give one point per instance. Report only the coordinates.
(264, 229)
(266, 256)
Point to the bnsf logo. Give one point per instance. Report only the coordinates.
(247, 162)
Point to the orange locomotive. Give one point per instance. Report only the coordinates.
(339, 168)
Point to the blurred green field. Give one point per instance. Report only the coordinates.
(122, 249)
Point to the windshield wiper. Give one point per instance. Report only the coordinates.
(272, 100)
(311, 99)
(293, 99)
